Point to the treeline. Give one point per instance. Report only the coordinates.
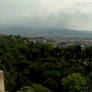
(38, 67)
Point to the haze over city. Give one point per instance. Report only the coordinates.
(70, 14)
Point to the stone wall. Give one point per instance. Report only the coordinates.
(2, 81)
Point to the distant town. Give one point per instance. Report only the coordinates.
(62, 42)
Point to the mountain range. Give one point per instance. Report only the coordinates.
(51, 32)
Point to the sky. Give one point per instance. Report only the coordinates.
(70, 14)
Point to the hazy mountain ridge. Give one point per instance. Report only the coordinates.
(53, 32)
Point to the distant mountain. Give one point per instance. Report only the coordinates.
(52, 32)
(69, 33)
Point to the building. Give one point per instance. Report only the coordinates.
(52, 44)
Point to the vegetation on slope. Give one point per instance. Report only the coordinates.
(37, 67)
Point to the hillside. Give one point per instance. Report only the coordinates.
(38, 67)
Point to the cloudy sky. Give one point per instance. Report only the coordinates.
(72, 14)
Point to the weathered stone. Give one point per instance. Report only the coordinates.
(2, 81)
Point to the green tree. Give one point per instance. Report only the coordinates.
(68, 56)
(51, 84)
(52, 74)
(74, 83)
(40, 88)
(88, 52)
(26, 89)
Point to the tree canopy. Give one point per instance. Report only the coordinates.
(38, 67)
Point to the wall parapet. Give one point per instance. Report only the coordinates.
(2, 88)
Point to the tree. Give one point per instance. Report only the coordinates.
(90, 81)
(74, 83)
(88, 52)
(68, 56)
(48, 66)
(40, 88)
(51, 84)
(26, 89)
(52, 74)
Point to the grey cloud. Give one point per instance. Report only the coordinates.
(47, 13)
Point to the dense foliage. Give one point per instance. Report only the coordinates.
(38, 67)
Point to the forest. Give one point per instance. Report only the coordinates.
(38, 67)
